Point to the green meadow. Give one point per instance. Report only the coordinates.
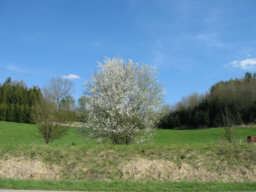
(14, 134)
(86, 164)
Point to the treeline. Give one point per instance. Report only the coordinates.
(17, 101)
(228, 103)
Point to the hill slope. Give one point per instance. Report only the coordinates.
(172, 155)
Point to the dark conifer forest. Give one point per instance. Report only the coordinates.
(228, 103)
(17, 101)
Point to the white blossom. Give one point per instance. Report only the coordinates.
(123, 98)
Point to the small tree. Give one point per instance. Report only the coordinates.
(45, 118)
(67, 103)
(82, 109)
(66, 112)
(228, 122)
(122, 100)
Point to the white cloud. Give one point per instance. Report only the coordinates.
(14, 68)
(249, 63)
(24, 70)
(211, 39)
(11, 68)
(71, 76)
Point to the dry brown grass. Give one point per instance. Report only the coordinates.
(23, 168)
(140, 169)
(224, 164)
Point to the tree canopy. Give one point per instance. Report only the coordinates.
(228, 103)
(17, 101)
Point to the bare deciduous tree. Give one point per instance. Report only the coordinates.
(189, 102)
(58, 89)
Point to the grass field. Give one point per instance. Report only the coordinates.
(27, 134)
(127, 186)
(192, 155)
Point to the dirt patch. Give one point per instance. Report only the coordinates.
(22, 168)
(140, 169)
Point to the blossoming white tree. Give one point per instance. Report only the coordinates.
(122, 100)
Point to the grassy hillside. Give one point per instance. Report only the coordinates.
(14, 134)
(171, 156)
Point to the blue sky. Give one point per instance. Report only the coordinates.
(193, 44)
